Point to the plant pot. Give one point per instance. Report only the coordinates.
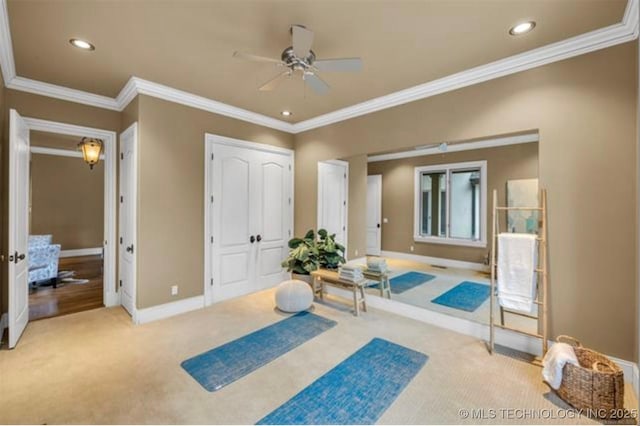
(306, 278)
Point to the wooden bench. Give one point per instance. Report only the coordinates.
(322, 277)
(383, 280)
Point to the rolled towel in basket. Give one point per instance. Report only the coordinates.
(554, 361)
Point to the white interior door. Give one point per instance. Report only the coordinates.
(128, 200)
(332, 198)
(235, 208)
(19, 158)
(274, 198)
(250, 216)
(374, 214)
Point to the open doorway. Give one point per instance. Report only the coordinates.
(21, 240)
(66, 227)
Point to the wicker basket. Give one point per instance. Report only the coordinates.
(597, 384)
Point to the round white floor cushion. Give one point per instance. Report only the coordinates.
(294, 296)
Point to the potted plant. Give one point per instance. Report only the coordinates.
(303, 257)
(330, 253)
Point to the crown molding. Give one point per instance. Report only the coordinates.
(149, 88)
(622, 32)
(7, 63)
(463, 146)
(60, 92)
(612, 35)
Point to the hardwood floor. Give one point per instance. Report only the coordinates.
(47, 302)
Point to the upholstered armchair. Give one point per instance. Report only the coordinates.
(43, 258)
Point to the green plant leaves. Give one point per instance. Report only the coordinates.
(308, 253)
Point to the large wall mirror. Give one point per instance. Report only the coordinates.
(426, 213)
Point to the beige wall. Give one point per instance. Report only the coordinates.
(503, 163)
(357, 231)
(67, 201)
(29, 105)
(585, 111)
(171, 194)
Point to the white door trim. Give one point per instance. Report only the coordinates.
(345, 212)
(133, 128)
(58, 152)
(110, 295)
(209, 141)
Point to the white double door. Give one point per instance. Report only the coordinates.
(251, 218)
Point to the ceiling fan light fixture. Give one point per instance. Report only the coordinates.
(81, 44)
(522, 28)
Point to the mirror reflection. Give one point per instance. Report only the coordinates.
(417, 222)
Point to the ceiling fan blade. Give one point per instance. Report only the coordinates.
(274, 82)
(302, 41)
(339, 65)
(255, 58)
(316, 83)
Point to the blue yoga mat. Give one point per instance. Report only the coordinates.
(357, 391)
(466, 296)
(409, 280)
(227, 363)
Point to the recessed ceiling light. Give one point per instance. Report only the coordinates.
(286, 113)
(81, 44)
(522, 28)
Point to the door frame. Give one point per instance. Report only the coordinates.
(345, 212)
(378, 178)
(133, 128)
(210, 140)
(110, 296)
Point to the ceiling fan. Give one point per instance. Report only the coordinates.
(300, 59)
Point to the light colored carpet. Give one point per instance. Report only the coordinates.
(96, 367)
(445, 280)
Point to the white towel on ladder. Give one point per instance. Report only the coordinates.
(517, 277)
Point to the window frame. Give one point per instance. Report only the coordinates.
(448, 169)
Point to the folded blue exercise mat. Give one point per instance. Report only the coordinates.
(357, 391)
(466, 296)
(227, 363)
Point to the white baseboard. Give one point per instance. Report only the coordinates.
(449, 263)
(517, 341)
(167, 310)
(81, 252)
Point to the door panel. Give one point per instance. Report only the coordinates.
(234, 196)
(374, 213)
(274, 216)
(332, 199)
(19, 157)
(128, 198)
(233, 253)
(234, 268)
(273, 202)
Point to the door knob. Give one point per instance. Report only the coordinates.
(378, 225)
(259, 238)
(20, 257)
(252, 239)
(130, 248)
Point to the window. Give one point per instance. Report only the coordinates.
(451, 203)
